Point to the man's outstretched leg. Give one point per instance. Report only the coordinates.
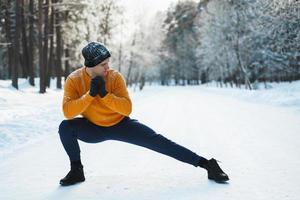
(131, 131)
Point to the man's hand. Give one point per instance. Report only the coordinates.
(95, 85)
(102, 91)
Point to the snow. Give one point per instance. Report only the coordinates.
(255, 135)
(280, 94)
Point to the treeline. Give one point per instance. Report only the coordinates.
(232, 42)
(31, 41)
(236, 42)
(41, 38)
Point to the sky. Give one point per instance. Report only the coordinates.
(138, 8)
(141, 10)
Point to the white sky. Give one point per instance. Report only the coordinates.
(141, 10)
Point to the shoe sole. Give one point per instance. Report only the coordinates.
(69, 184)
(218, 181)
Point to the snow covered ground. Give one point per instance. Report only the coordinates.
(255, 134)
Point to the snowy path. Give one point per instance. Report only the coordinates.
(259, 146)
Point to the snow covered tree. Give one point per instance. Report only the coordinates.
(180, 43)
(244, 41)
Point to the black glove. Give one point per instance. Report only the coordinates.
(94, 86)
(102, 91)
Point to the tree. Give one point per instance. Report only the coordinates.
(180, 43)
(25, 52)
(246, 41)
(109, 11)
(31, 43)
(40, 47)
(58, 62)
(16, 54)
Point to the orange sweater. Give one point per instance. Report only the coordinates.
(105, 111)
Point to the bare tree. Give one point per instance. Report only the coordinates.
(58, 62)
(51, 47)
(31, 43)
(9, 39)
(45, 42)
(40, 47)
(131, 63)
(25, 52)
(15, 44)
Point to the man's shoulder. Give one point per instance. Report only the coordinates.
(76, 74)
(114, 74)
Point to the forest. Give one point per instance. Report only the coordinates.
(235, 43)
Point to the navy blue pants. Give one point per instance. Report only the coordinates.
(127, 130)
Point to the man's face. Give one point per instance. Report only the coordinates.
(101, 69)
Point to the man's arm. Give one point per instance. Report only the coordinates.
(73, 104)
(119, 100)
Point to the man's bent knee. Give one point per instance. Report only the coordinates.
(64, 126)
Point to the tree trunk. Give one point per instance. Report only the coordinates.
(41, 63)
(128, 77)
(237, 51)
(16, 53)
(58, 49)
(8, 35)
(120, 58)
(130, 64)
(142, 81)
(31, 43)
(45, 48)
(51, 37)
(67, 65)
(25, 55)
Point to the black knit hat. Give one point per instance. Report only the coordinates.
(94, 53)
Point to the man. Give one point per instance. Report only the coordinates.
(99, 94)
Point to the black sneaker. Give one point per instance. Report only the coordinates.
(75, 175)
(215, 172)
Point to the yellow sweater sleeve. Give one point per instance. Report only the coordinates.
(118, 100)
(73, 104)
